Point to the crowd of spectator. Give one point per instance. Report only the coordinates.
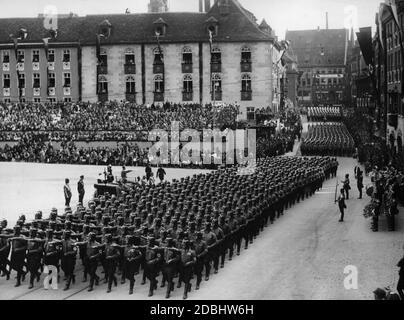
(113, 116)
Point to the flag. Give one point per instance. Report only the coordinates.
(393, 8)
(158, 45)
(364, 37)
(210, 39)
(98, 47)
(380, 24)
(15, 40)
(46, 47)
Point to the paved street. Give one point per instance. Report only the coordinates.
(301, 256)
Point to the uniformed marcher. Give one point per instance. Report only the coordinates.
(132, 259)
(34, 257)
(151, 264)
(170, 261)
(201, 251)
(111, 261)
(188, 259)
(68, 261)
(18, 249)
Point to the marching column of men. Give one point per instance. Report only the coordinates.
(183, 230)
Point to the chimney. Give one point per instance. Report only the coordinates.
(326, 20)
(200, 5)
(207, 5)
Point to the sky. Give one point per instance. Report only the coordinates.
(281, 15)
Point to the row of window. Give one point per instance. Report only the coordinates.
(323, 81)
(36, 80)
(187, 56)
(393, 60)
(394, 76)
(35, 56)
(130, 83)
(39, 100)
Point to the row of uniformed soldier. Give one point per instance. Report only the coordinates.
(181, 229)
(331, 139)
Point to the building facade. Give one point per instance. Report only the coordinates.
(220, 55)
(322, 56)
(389, 68)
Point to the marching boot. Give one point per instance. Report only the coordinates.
(143, 279)
(73, 279)
(97, 280)
(18, 280)
(115, 281)
(151, 288)
(31, 281)
(67, 287)
(131, 286)
(197, 285)
(189, 287)
(168, 291)
(185, 292)
(179, 284)
(109, 289)
(123, 279)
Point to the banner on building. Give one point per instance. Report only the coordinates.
(364, 37)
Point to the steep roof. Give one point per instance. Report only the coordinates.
(236, 26)
(320, 47)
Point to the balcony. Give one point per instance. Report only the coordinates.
(393, 120)
(187, 96)
(6, 66)
(37, 92)
(103, 97)
(130, 68)
(187, 67)
(6, 92)
(66, 91)
(216, 67)
(20, 66)
(66, 65)
(51, 91)
(216, 96)
(158, 68)
(51, 65)
(131, 97)
(246, 66)
(102, 69)
(35, 66)
(246, 95)
(158, 96)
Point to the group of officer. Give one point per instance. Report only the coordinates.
(331, 139)
(182, 229)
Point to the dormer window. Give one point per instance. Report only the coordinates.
(105, 29)
(160, 27)
(212, 25)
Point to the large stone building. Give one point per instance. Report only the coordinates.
(322, 56)
(218, 55)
